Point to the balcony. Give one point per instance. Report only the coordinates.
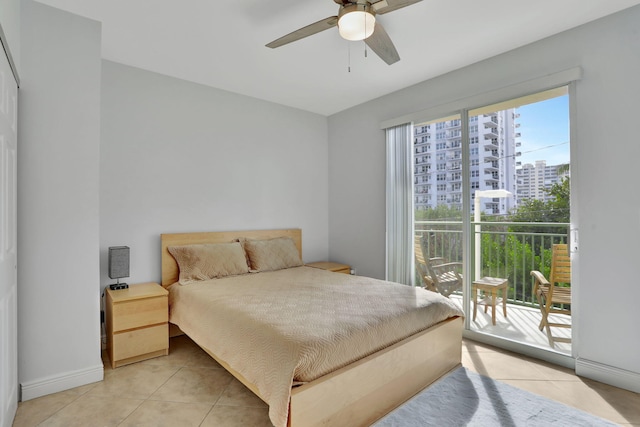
(491, 166)
(490, 142)
(509, 250)
(521, 325)
(491, 131)
(491, 155)
(490, 177)
(492, 120)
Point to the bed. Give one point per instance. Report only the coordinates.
(324, 384)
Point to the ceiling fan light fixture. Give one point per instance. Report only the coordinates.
(356, 22)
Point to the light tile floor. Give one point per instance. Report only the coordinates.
(188, 388)
(554, 382)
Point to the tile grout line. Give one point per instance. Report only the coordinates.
(216, 402)
(130, 413)
(64, 406)
(150, 394)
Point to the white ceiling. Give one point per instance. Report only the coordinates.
(221, 43)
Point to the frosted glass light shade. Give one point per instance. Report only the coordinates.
(356, 25)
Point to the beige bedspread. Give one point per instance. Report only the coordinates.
(295, 325)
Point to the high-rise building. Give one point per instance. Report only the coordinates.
(492, 157)
(534, 179)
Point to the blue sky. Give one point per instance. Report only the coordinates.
(544, 128)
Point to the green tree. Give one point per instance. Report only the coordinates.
(556, 210)
(440, 212)
(440, 239)
(511, 257)
(560, 206)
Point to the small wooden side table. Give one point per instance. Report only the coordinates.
(137, 323)
(490, 285)
(331, 266)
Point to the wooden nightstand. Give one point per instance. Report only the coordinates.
(137, 323)
(331, 266)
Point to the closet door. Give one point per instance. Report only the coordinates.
(8, 250)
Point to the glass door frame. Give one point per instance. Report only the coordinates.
(468, 239)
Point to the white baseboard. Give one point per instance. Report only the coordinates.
(65, 381)
(608, 374)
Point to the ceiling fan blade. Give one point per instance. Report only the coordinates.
(307, 31)
(392, 5)
(381, 44)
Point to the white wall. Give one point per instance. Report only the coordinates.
(10, 21)
(58, 242)
(180, 157)
(604, 172)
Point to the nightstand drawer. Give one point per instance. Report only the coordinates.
(137, 313)
(140, 341)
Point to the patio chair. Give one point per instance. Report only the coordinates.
(554, 295)
(437, 274)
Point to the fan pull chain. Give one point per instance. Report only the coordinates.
(349, 56)
(363, 40)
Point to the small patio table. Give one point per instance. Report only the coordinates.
(490, 285)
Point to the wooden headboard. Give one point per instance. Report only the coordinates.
(170, 271)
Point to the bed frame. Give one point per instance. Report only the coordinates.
(364, 391)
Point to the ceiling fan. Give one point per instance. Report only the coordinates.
(356, 21)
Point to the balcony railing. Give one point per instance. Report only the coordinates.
(507, 249)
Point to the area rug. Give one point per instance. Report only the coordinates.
(464, 398)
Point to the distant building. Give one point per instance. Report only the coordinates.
(534, 179)
(492, 156)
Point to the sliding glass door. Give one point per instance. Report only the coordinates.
(491, 198)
